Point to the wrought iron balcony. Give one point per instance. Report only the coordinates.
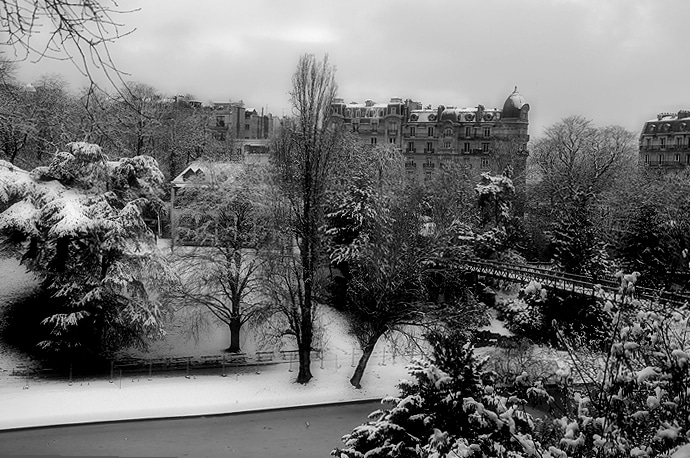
(666, 164)
(429, 150)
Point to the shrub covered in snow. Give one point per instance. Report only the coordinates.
(637, 402)
(630, 401)
(450, 409)
(539, 315)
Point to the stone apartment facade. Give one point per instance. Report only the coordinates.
(665, 142)
(243, 131)
(476, 138)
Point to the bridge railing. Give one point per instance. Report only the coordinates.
(568, 281)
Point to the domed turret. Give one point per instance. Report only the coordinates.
(449, 115)
(512, 109)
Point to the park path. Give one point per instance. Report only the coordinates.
(299, 432)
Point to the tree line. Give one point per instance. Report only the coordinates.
(40, 117)
(328, 221)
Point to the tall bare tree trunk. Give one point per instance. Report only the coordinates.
(367, 351)
(234, 325)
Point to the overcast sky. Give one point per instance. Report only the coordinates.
(613, 61)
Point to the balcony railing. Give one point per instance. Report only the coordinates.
(664, 147)
(428, 165)
(665, 164)
(428, 151)
(411, 151)
(393, 132)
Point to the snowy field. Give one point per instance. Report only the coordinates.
(29, 401)
(37, 402)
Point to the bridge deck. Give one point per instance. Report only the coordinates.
(567, 282)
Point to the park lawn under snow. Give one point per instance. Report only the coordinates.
(38, 402)
(272, 386)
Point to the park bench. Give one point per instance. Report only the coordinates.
(181, 362)
(211, 360)
(22, 370)
(262, 356)
(129, 363)
(235, 358)
(289, 354)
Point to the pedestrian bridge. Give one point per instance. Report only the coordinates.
(563, 281)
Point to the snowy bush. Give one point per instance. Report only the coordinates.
(538, 315)
(450, 409)
(637, 402)
(630, 401)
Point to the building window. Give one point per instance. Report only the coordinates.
(413, 131)
(466, 147)
(687, 158)
(485, 147)
(355, 127)
(661, 158)
(410, 147)
(662, 141)
(448, 132)
(391, 141)
(468, 132)
(646, 158)
(246, 127)
(220, 121)
(220, 136)
(429, 147)
(375, 127)
(487, 131)
(447, 145)
(648, 142)
(679, 142)
(430, 132)
(676, 158)
(485, 162)
(373, 140)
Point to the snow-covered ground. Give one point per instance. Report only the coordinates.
(29, 401)
(56, 402)
(15, 283)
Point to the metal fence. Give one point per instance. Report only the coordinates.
(207, 365)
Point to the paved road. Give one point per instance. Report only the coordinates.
(294, 433)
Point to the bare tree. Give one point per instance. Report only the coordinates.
(303, 158)
(80, 31)
(575, 157)
(225, 225)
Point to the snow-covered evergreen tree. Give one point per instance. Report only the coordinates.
(79, 226)
(576, 244)
(450, 409)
